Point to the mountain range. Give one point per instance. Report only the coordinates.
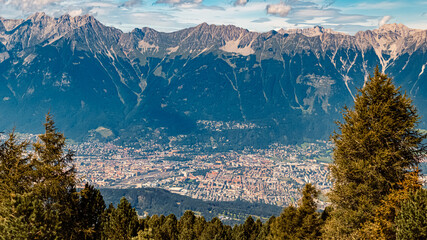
(220, 85)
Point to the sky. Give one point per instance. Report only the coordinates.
(347, 16)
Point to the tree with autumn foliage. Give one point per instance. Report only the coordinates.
(377, 146)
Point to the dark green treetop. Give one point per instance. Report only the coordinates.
(377, 144)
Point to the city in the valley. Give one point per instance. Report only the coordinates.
(273, 175)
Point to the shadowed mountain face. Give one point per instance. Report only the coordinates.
(202, 84)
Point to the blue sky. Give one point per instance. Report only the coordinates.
(347, 16)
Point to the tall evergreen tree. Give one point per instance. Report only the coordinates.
(15, 168)
(308, 217)
(284, 226)
(169, 229)
(40, 186)
(155, 225)
(121, 223)
(54, 183)
(15, 172)
(411, 222)
(266, 228)
(91, 206)
(215, 230)
(186, 226)
(376, 146)
(302, 222)
(199, 226)
(106, 223)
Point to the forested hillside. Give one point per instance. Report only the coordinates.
(159, 201)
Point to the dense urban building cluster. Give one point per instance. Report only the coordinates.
(273, 176)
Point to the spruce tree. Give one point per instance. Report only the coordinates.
(308, 217)
(285, 225)
(121, 223)
(302, 222)
(266, 228)
(186, 226)
(38, 190)
(15, 181)
(15, 168)
(91, 206)
(54, 184)
(169, 229)
(411, 221)
(377, 144)
(199, 226)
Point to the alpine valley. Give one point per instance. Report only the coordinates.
(208, 83)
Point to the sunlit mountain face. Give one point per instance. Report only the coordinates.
(201, 84)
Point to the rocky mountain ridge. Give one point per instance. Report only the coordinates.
(289, 84)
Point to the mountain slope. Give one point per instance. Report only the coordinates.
(236, 86)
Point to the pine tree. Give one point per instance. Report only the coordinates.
(54, 184)
(106, 223)
(15, 180)
(256, 230)
(377, 145)
(199, 226)
(15, 168)
(285, 225)
(91, 206)
(309, 219)
(265, 229)
(186, 226)
(248, 230)
(155, 224)
(216, 230)
(169, 229)
(121, 223)
(38, 190)
(302, 222)
(411, 221)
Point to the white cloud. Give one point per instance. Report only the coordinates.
(76, 12)
(261, 20)
(131, 3)
(280, 9)
(180, 2)
(318, 12)
(309, 13)
(99, 4)
(240, 2)
(28, 5)
(233, 15)
(377, 5)
(384, 20)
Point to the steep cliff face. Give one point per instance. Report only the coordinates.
(220, 82)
